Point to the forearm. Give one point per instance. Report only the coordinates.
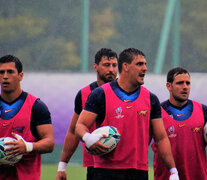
(80, 131)
(165, 152)
(47, 140)
(45, 145)
(70, 145)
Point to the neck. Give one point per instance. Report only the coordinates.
(126, 85)
(177, 103)
(100, 82)
(10, 96)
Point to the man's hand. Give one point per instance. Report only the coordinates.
(18, 147)
(61, 174)
(93, 143)
(91, 139)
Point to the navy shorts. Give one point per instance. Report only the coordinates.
(90, 172)
(117, 174)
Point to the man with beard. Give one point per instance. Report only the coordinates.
(184, 120)
(131, 108)
(106, 67)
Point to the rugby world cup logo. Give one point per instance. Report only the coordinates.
(118, 112)
(171, 131)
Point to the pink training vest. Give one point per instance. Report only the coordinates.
(132, 119)
(29, 166)
(87, 158)
(186, 138)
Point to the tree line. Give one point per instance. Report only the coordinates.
(46, 35)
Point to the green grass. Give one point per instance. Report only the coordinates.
(74, 172)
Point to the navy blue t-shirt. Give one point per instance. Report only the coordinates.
(78, 98)
(96, 101)
(40, 114)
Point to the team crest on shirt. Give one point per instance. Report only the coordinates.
(118, 112)
(171, 131)
(142, 112)
(18, 129)
(196, 129)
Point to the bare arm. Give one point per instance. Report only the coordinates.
(85, 121)
(70, 145)
(162, 143)
(44, 145)
(71, 141)
(47, 141)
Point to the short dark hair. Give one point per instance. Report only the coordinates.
(127, 55)
(105, 52)
(174, 72)
(10, 58)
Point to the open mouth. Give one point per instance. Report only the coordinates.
(5, 84)
(141, 75)
(184, 93)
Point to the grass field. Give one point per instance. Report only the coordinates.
(74, 172)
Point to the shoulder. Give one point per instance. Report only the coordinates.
(90, 86)
(154, 99)
(78, 95)
(165, 104)
(204, 107)
(93, 85)
(40, 113)
(98, 91)
(205, 112)
(40, 106)
(155, 107)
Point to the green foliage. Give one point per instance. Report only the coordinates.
(46, 35)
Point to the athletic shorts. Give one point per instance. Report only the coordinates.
(90, 172)
(118, 174)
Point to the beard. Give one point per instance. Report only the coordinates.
(108, 77)
(181, 100)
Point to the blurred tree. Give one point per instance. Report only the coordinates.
(46, 35)
(102, 30)
(193, 35)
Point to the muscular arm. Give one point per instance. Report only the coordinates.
(71, 141)
(85, 121)
(162, 142)
(70, 145)
(46, 142)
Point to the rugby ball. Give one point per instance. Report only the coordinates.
(7, 159)
(205, 133)
(112, 139)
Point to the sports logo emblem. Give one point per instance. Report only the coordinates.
(171, 131)
(118, 112)
(129, 107)
(127, 100)
(142, 112)
(197, 129)
(6, 124)
(182, 125)
(178, 115)
(6, 111)
(19, 129)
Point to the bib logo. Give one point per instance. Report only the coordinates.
(197, 129)
(171, 130)
(142, 112)
(118, 112)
